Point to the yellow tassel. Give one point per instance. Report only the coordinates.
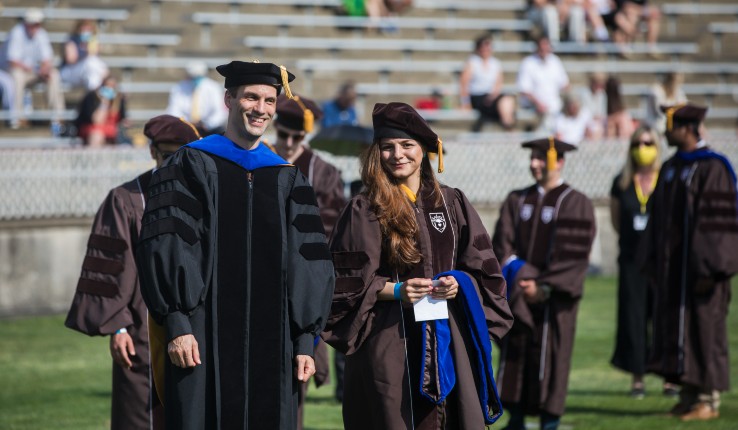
(670, 116)
(551, 155)
(440, 155)
(286, 82)
(308, 118)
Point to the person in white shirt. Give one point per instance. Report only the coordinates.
(199, 100)
(571, 123)
(81, 66)
(481, 87)
(541, 79)
(27, 56)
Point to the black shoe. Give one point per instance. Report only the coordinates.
(671, 391)
(638, 393)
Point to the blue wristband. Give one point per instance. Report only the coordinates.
(398, 294)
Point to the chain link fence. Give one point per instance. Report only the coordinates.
(71, 183)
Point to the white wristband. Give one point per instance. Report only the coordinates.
(121, 331)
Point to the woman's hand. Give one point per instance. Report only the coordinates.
(414, 289)
(447, 289)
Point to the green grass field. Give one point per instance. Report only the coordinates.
(54, 378)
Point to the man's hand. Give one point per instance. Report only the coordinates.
(121, 347)
(183, 351)
(304, 367)
(530, 290)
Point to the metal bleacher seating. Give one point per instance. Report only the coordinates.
(149, 43)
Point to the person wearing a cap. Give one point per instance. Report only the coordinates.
(295, 120)
(690, 245)
(400, 232)
(28, 57)
(543, 237)
(234, 264)
(108, 301)
(199, 100)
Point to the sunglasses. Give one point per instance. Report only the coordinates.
(295, 137)
(642, 142)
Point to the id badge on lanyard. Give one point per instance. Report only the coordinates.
(640, 221)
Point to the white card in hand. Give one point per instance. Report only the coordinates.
(429, 308)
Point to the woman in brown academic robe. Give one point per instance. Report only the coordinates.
(401, 231)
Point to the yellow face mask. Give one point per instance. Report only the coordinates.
(644, 155)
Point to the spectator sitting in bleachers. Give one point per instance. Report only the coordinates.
(481, 87)
(594, 99)
(199, 100)
(28, 57)
(541, 80)
(81, 67)
(628, 18)
(619, 121)
(101, 115)
(342, 109)
(667, 92)
(549, 15)
(570, 125)
(7, 90)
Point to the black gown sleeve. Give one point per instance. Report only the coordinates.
(176, 246)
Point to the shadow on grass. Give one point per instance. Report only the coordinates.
(590, 392)
(321, 401)
(614, 411)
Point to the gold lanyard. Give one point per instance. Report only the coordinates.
(642, 198)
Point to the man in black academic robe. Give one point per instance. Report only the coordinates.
(234, 263)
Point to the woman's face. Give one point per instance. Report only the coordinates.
(401, 157)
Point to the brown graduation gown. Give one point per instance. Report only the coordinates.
(553, 233)
(692, 234)
(381, 338)
(108, 298)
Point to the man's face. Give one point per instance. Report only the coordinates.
(538, 168)
(677, 135)
(289, 140)
(544, 48)
(32, 29)
(251, 109)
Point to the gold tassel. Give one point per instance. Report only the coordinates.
(551, 155)
(409, 193)
(308, 118)
(286, 82)
(670, 116)
(440, 155)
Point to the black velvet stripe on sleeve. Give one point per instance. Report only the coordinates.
(724, 196)
(97, 288)
(305, 223)
(714, 226)
(482, 242)
(574, 223)
(315, 251)
(175, 198)
(349, 284)
(168, 173)
(572, 255)
(304, 196)
(102, 265)
(718, 212)
(107, 243)
(170, 225)
(350, 259)
(575, 240)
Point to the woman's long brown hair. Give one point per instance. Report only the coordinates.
(393, 209)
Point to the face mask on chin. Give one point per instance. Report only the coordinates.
(644, 155)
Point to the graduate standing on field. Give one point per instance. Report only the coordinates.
(108, 301)
(543, 236)
(404, 229)
(691, 244)
(234, 263)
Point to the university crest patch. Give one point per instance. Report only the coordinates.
(547, 214)
(438, 221)
(526, 211)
